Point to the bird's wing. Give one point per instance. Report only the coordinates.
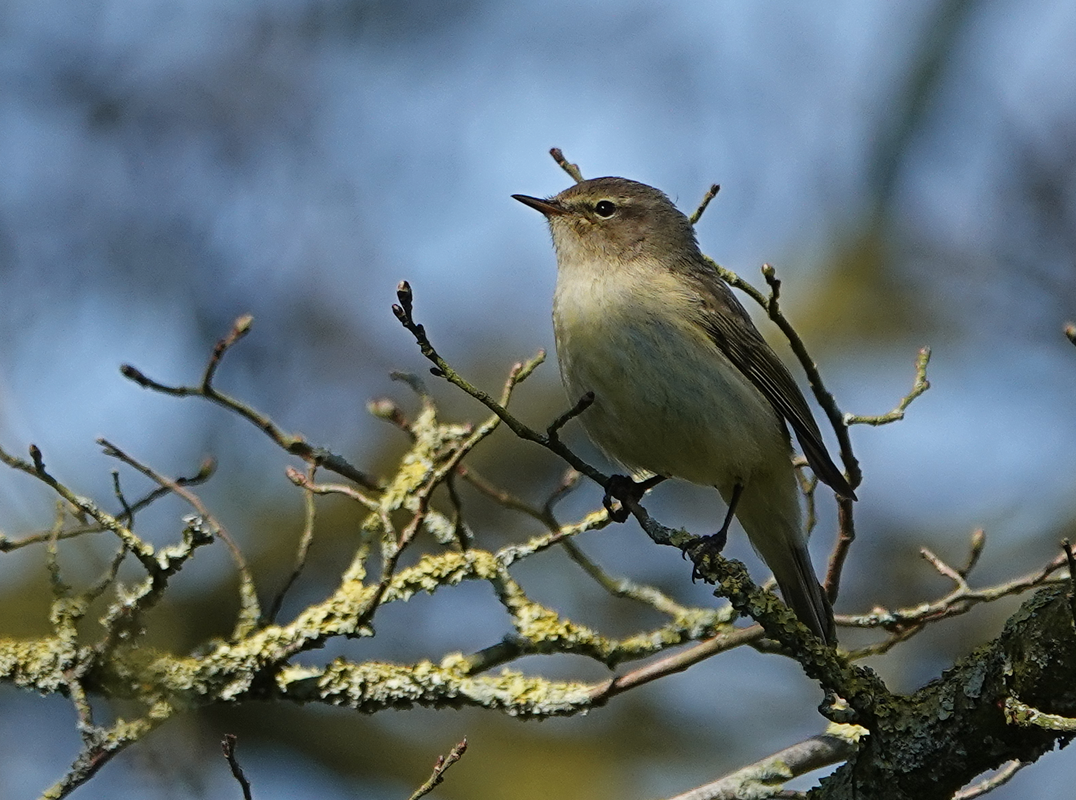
(732, 330)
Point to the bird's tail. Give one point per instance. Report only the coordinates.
(803, 594)
(769, 511)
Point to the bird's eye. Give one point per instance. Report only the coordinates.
(605, 208)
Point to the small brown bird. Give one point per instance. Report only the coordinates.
(684, 385)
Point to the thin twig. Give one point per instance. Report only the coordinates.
(920, 385)
(142, 550)
(293, 444)
(678, 662)
(98, 588)
(622, 587)
(205, 472)
(760, 779)
(846, 534)
(711, 193)
(510, 554)
(958, 601)
(954, 575)
(828, 404)
(999, 778)
(117, 490)
(563, 163)
(181, 491)
(520, 371)
(228, 746)
(305, 540)
(439, 768)
(299, 479)
(567, 484)
(387, 410)
(503, 497)
(822, 395)
(585, 402)
(250, 610)
(240, 328)
(404, 313)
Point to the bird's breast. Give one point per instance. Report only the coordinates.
(666, 399)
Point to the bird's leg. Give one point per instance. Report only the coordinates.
(722, 535)
(628, 492)
(715, 542)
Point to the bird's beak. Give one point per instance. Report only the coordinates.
(547, 207)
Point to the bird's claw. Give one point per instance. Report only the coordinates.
(702, 547)
(623, 489)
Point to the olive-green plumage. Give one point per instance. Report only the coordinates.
(684, 385)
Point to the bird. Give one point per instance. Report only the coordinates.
(684, 385)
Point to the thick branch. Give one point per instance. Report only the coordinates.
(933, 742)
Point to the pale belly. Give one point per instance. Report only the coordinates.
(666, 400)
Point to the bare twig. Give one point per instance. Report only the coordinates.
(677, 662)
(387, 410)
(520, 371)
(142, 550)
(710, 195)
(250, 611)
(98, 588)
(404, 313)
(460, 532)
(771, 304)
(439, 768)
(762, 778)
(943, 568)
(920, 385)
(585, 402)
(299, 479)
(117, 490)
(205, 472)
(906, 622)
(999, 778)
(846, 534)
(503, 497)
(563, 163)
(567, 484)
(305, 540)
(293, 444)
(814, 378)
(622, 587)
(228, 746)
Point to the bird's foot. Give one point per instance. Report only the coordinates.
(626, 492)
(712, 545)
(702, 547)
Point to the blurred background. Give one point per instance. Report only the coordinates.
(167, 165)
